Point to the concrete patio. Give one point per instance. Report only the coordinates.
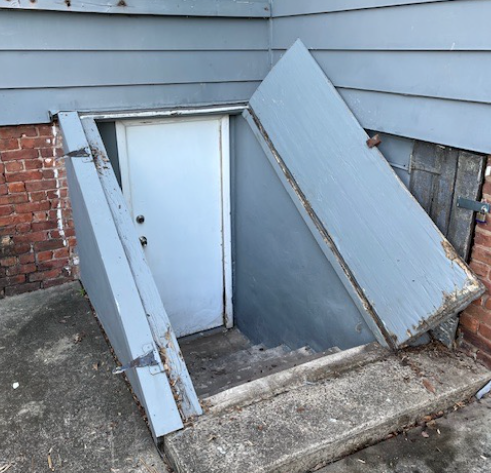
(68, 411)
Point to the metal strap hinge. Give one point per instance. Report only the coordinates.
(473, 205)
(150, 359)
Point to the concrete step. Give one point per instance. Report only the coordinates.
(323, 410)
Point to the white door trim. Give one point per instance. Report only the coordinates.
(225, 190)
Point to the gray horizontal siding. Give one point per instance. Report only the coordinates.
(417, 69)
(235, 8)
(33, 105)
(308, 7)
(60, 61)
(61, 68)
(26, 30)
(463, 125)
(451, 25)
(446, 74)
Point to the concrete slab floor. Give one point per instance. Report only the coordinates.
(457, 443)
(68, 405)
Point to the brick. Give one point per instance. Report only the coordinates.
(21, 218)
(61, 253)
(48, 245)
(47, 184)
(23, 227)
(46, 130)
(18, 131)
(12, 280)
(56, 282)
(32, 237)
(6, 209)
(23, 247)
(16, 187)
(479, 313)
(44, 255)
(47, 225)
(469, 323)
(9, 261)
(9, 144)
(23, 176)
(33, 164)
(477, 341)
(22, 288)
(37, 196)
(48, 174)
(14, 166)
(485, 332)
(3, 189)
(44, 275)
(13, 199)
(480, 269)
(481, 254)
(36, 142)
(47, 152)
(32, 207)
(27, 258)
(4, 221)
(20, 154)
(52, 264)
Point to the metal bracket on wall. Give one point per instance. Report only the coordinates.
(150, 359)
(473, 205)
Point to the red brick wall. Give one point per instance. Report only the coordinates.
(475, 322)
(36, 228)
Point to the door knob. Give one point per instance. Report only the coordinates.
(143, 241)
(140, 219)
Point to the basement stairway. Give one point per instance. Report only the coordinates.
(294, 411)
(225, 359)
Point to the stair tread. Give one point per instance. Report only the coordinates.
(301, 428)
(246, 365)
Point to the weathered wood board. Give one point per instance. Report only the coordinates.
(439, 176)
(394, 261)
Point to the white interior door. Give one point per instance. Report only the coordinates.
(176, 180)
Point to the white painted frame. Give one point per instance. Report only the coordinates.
(121, 125)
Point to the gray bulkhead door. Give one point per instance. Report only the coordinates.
(403, 274)
(119, 282)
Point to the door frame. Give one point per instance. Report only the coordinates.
(225, 172)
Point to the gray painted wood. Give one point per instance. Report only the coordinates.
(234, 8)
(28, 31)
(459, 124)
(109, 282)
(285, 290)
(427, 26)
(308, 7)
(90, 62)
(157, 317)
(402, 268)
(174, 67)
(421, 73)
(35, 105)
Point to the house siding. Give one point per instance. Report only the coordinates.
(416, 69)
(93, 62)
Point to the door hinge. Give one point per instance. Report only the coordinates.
(473, 205)
(150, 359)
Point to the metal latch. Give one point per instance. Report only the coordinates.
(482, 208)
(141, 362)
